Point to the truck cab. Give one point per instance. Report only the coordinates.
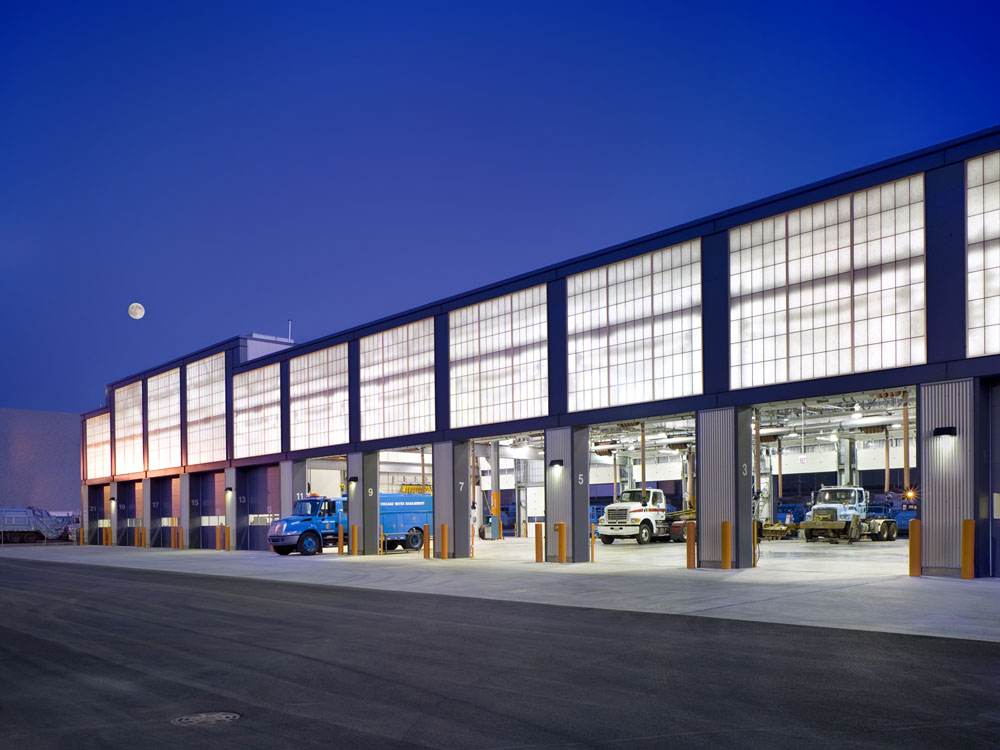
(843, 513)
(313, 525)
(638, 514)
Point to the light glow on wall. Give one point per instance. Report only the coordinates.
(99, 446)
(982, 205)
(830, 289)
(319, 398)
(206, 410)
(128, 429)
(397, 381)
(257, 412)
(163, 407)
(635, 329)
(498, 359)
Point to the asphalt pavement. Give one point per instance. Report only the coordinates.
(99, 657)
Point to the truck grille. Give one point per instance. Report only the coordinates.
(825, 514)
(618, 515)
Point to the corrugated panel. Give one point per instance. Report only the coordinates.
(947, 491)
(558, 490)
(716, 473)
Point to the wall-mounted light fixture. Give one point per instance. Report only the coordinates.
(352, 480)
(945, 431)
(555, 462)
(229, 489)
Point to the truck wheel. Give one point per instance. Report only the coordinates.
(414, 539)
(31, 537)
(309, 544)
(607, 539)
(882, 534)
(391, 544)
(893, 531)
(808, 535)
(284, 549)
(645, 533)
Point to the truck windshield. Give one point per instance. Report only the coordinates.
(845, 497)
(635, 496)
(307, 507)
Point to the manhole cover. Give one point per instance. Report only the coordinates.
(213, 719)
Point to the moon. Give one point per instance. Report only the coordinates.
(136, 311)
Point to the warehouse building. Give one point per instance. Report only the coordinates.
(847, 332)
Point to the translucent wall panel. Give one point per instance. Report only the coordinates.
(99, 446)
(128, 429)
(982, 204)
(206, 410)
(163, 416)
(829, 289)
(397, 381)
(498, 359)
(257, 412)
(635, 329)
(319, 398)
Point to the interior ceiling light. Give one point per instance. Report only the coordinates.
(896, 426)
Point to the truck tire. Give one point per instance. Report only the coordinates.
(391, 544)
(893, 531)
(607, 539)
(32, 537)
(285, 549)
(414, 539)
(645, 534)
(882, 534)
(309, 544)
(808, 535)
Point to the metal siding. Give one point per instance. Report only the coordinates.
(442, 486)
(716, 430)
(558, 491)
(948, 470)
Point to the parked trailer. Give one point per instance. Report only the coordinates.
(29, 525)
(315, 521)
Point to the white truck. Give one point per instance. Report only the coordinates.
(30, 525)
(841, 513)
(643, 515)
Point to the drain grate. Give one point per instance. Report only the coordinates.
(212, 719)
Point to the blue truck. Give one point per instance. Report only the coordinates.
(314, 523)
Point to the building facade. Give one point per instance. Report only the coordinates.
(883, 277)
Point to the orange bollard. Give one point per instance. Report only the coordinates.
(381, 541)
(592, 542)
(180, 537)
(539, 553)
(561, 536)
(727, 545)
(756, 544)
(916, 551)
(444, 541)
(968, 549)
(427, 541)
(340, 539)
(692, 560)
(218, 539)
(228, 548)
(354, 539)
(472, 540)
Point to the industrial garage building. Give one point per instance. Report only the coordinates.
(847, 331)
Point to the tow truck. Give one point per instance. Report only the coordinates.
(842, 513)
(643, 515)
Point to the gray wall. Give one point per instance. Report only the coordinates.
(40, 459)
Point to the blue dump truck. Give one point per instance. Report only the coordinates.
(314, 522)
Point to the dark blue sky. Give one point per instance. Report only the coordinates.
(234, 164)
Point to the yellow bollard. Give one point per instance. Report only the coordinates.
(472, 540)
(692, 559)
(968, 549)
(561, 535)
(340, 539)
(354, 539)
(427, 541)
(916, 561)
(228, 548)
(381, 540)
(539, 555)
(592, 542)
(727, 545)
(756, 543)
(218, 539)
(444, 541)
(180, 537)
